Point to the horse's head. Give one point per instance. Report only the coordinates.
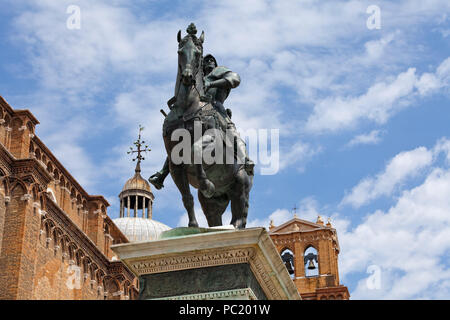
(190, 50)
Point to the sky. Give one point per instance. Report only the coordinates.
(358, 91)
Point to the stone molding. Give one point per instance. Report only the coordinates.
(238, 294)
(192, 261)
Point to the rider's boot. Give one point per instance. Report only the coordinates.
(158, 178)
(241, 153)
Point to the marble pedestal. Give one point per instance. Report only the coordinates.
(206, 263)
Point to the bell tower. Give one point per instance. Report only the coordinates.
(310, 252)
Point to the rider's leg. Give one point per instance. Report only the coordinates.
(158, 178)
(241, 150)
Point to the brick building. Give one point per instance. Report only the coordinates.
(55, 238)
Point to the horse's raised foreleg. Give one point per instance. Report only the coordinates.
(239, 195)
(179, 176)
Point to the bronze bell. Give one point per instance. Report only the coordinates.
(311, 265)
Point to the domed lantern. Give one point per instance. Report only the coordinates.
(136, 203)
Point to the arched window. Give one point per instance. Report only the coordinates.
(288, 259)
(311, 262)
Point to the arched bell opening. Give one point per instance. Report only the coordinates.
(288, 259)
(311, 262)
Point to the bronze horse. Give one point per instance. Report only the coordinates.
(218, 184)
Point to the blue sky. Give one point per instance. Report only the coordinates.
(363, 113)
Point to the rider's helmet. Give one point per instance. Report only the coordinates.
(209, 56)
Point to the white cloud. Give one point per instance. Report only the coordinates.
(375, 48)
(408, 242)
(403, 166)
(278, 217)
(372, 137)
(378, 104)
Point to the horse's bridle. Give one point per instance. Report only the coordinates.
(199, 66)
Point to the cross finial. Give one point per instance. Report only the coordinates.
(139, 144)
(294, 211)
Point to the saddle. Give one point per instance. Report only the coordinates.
(206, 114)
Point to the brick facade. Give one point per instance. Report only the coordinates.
(55, 238)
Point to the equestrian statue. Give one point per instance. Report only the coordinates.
(200, 91)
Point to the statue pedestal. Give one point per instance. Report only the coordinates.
(209, 263)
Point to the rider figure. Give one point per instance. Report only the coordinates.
(218, 82)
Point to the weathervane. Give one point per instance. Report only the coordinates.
(139, 144)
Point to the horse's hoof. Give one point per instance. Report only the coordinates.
(207, 188)
(240, 223)
(193, 224)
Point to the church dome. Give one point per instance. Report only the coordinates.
(136, 204)
(140, 229)
(136, 183)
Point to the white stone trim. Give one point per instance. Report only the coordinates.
(26, 197)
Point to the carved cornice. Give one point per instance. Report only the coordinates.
(301, 236)
(192, 261)
(118, 267)
(23, 167)
(26, 167)
(238, 294)
(6, 159)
